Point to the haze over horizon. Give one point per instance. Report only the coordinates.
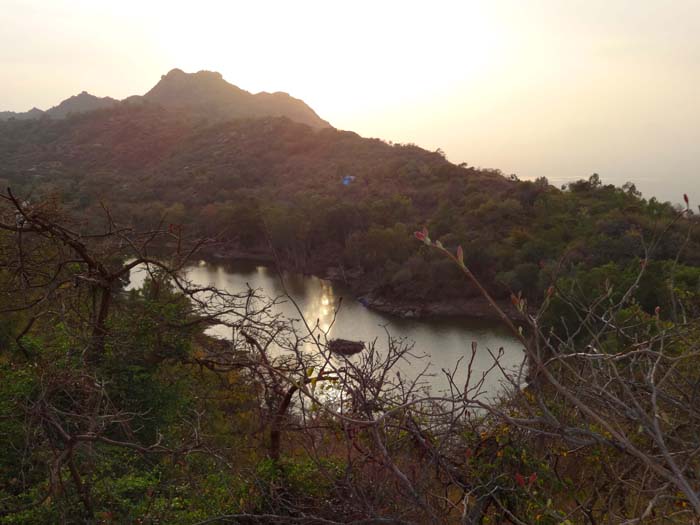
(548, 89)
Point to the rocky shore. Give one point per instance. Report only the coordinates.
(475, 307)
(225, 254)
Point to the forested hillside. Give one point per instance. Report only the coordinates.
(329, 199)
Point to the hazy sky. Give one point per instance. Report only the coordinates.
(560, 88)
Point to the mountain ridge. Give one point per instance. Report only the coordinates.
(204, 93)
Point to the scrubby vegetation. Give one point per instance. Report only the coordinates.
(115, 407)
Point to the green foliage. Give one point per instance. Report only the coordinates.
(299, 479)
(251, 182)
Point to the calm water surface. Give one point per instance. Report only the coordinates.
(442, 341)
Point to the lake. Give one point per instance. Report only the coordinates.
(442, 341)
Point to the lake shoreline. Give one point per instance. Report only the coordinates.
(469, 308)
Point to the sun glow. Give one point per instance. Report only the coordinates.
(349, 61)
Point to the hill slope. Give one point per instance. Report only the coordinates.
(31, 114)
(80, 103)
(332, 199)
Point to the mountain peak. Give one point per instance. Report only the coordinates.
(173, 73)
(80, 103)
(207, 93)
(178, 75)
